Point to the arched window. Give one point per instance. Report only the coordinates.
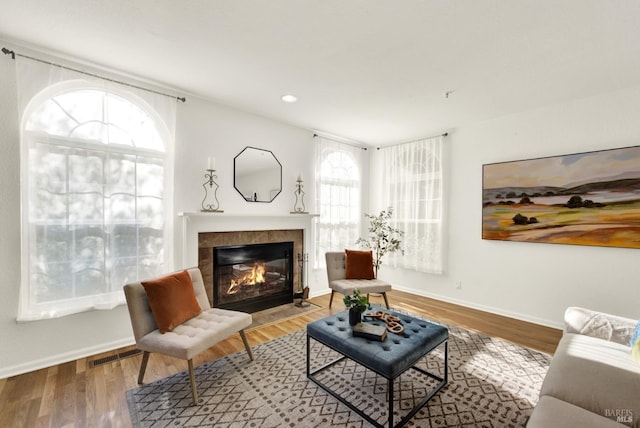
(412, 183)
(93, 198)
(339, 196)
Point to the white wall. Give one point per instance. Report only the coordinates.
(206, 129)
(203, 129)
(530, 281)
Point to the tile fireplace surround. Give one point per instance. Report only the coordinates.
(202, 231)
(207, 241)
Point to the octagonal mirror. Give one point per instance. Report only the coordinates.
(257, 175)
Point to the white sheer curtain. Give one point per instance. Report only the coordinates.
(338, 180)
(412, 185)
(96, 164)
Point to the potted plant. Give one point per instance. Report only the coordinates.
(383, 238)
(356, 303)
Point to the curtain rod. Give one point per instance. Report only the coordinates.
(425, 138)
(13, 56)
(315, 134)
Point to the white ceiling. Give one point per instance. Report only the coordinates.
(369, 70)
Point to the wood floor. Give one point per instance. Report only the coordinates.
(75, 395)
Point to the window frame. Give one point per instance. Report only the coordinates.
(354, 221)
(415, 176)
(29, 308)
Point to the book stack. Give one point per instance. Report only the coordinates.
(370, 331)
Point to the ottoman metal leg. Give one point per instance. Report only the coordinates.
(390, 387)
(390, 383)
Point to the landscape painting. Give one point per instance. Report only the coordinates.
(588, 198)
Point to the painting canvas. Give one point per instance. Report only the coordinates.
(588, 198)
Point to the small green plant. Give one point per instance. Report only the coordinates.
(356, 301)
(382, 238)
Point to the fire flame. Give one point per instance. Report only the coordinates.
(256, 276)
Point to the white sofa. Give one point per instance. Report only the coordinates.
(592, 380)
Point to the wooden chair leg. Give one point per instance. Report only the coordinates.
(192, 379)
(331, 298)
(246, 344)
(143, 366)
(386, 302)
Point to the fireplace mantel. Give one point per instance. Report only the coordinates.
(195, 222)
(186, 214)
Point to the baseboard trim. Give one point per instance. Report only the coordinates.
(55, 360)
(484, 308)
(467, 304)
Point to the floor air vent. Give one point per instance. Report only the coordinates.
(114, 357)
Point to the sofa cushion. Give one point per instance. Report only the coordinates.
(172, 300)
(358, 264)
(553, 413)
(598, 324)
(595, 374)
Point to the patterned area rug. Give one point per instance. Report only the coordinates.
(492, 383)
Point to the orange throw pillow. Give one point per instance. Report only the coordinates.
(359, 264)
(172, 300)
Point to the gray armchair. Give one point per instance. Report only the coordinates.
(336, 270)
(188, 339)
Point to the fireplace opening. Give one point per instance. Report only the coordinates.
(253, 277)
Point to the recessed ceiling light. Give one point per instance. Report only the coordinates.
(289, 98)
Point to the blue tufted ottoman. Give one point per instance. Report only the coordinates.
(389, 359)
